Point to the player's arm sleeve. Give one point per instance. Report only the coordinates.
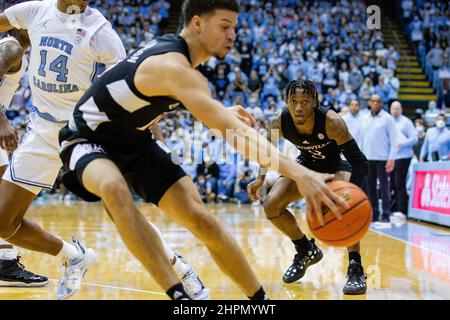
(107, 46)
(357, 160)
(20, 15)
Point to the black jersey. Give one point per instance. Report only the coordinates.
(317, 151)
(113, 112)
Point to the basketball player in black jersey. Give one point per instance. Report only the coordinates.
(107, 148)
(321, 135)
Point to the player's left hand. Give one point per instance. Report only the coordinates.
(243, 115)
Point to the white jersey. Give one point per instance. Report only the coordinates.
(66, 53)
(10, 82)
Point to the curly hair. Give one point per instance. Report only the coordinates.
(307, 88)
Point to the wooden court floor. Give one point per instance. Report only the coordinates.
(417, 267)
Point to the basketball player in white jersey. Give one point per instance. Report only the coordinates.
(66, 51)
(13, 64)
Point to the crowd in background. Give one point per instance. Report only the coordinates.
(333, 48)
(427, 25)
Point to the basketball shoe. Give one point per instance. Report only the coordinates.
(74, 271)
(192, 283)
(356, 282)
(302, 261)
(14, 274)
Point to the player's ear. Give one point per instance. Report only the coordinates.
(196, 23)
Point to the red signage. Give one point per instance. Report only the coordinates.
(431, 191)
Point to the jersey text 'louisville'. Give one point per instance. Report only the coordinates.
(316, 148)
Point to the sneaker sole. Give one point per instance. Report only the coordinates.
(19, 284)
(301, 275)
(355, 293)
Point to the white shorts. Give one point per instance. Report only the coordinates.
(35, 164)
(3, 158)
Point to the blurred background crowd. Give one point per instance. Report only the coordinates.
(326, 42)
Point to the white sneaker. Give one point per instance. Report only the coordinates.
(74, 271)
(193, 285)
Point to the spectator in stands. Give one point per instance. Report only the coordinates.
(435, 56)
(244, 181)
(379, 142)
(254, 83)
(382, 89)
(436, 145)
(221, 85)
(365, 92)
(406, 139)
(421, 128)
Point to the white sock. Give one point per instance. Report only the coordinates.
(4, 243)
(180, 267)
(7, 253)
(67, 251)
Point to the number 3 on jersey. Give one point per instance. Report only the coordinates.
(59, 65)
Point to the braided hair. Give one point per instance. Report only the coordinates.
(307, 88)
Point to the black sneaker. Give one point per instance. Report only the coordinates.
(14, 274)
(356, 282)
(301, 262)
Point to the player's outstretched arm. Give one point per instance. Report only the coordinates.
(273, 135)
(173, 76)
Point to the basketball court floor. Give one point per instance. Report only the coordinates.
(407, 261)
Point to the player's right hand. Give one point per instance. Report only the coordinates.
(254, 188)
(8, 136)
(316, 194)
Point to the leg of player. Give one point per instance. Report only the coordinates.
(283, 192)
(183, 203)
(191, 282)
(356, 278)
(12, 272)
(14, 203)
(140, 238)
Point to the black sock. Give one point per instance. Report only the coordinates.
(355, 256)
(302, 245)
(259, 295)
(177, 292)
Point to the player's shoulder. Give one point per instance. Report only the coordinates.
(10, 50)
(335, 124)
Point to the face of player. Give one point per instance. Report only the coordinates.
(217, 32)
(82, 4)
(301, 107)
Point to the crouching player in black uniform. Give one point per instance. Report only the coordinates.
(107, 148)
(321, 135)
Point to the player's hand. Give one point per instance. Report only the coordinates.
(243, 115)
(316, 193)
(390, 165)
(8, 135)
(254, 188)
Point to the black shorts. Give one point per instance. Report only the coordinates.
(149, 170)
(326, 167)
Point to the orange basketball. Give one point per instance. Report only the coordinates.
(355, 220)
